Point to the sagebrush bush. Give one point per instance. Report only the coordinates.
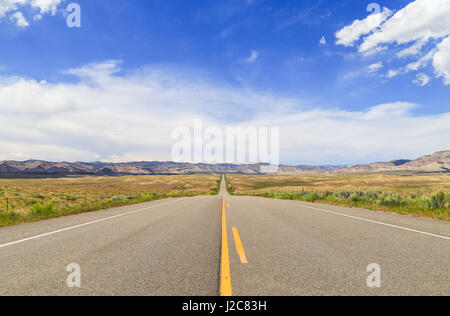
(310, 197)
(438, 201)
(437, 204)
(43, 209)
(344, 194)
(326, 194)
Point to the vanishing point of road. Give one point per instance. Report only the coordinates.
(227, 245)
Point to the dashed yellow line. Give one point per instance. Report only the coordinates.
(225, 275)
(239, 247)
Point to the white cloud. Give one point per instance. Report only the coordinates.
(420, 20)
(422, 62)
(381, 133)
(46, 6)
(418, 26)
(253, 56)
(19, 19)
(8, 8)
(110, 115)
(96, 72)
(393, 73)
(375, 67)
(414, 66)
(422, 79)
(351, 33)
(9, 5)
(414, 49)
(397, 109)
(441, 60)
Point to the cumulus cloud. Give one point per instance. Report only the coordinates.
(46, 6)
(421, 20)
(19, 19)
(422, 79)
(375, 67)
(413, 66)
(393, 73)
(351, 33)
(111, 115)
(419, 29)
(9, 9)
(381, 133)
(441, 60)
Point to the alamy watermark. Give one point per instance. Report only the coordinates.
(375, 8)
(374, 278)
(73, 11)
(74, 278)
(234, 145)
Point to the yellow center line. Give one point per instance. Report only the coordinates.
(239, 247)
(225, 275)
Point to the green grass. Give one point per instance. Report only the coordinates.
(9, 218)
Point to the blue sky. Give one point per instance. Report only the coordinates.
(268, 49)
(215, 37)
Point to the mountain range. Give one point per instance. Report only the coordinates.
(438, 162)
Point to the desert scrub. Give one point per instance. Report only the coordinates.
(47, 198)
(437, 206)
(216, 189)
(425, 195)
(230, 189)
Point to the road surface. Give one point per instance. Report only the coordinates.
(212, 245)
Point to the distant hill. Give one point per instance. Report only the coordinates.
(438, 162)
(36, 167)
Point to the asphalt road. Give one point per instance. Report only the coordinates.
(264, 247)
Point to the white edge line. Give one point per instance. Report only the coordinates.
(85, 224)
(372, 221)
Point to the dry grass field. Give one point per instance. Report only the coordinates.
(420, 195)
(23, 200)
(26, 200)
